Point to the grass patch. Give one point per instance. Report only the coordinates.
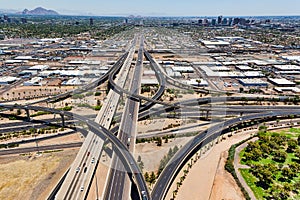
(250, 180)
(275, 165)
(295, 130)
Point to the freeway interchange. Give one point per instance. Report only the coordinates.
(122, 137)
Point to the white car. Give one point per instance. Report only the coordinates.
(77, 169)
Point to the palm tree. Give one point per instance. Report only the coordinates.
(185, 172)
(182, 179)
(189, 165)
(175, 193)
(178, 185)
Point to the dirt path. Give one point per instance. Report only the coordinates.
(238, 166)
(208, 176)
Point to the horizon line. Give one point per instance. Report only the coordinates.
(174, 16)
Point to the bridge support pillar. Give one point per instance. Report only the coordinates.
(207, 112)
(62, 120)
(27, 114)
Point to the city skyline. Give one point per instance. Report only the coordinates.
(162, 8)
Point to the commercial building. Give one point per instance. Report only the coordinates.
(244, 68)
(173, 74)
(149, 81)
(24, 58)
(27, 73)
(253, 74)
(281, 82)
(197, 82)
(287, 67)
(6, 80)
(36, 81)
(183, 69)
(214, 43)
(220, 69)
(38, 68)
(253, 82)
(287, 89)
(292, 58)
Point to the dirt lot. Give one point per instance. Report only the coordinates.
(224, 186)
(208, 177)
(151, 154)
(35, 174)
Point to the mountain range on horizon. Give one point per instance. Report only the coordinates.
(36, 11)
(39, 11)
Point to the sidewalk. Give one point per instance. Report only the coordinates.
(238, 166)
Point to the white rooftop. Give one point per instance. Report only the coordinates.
(220, 68)
(244, 67)
(23, 58)
(7, 79)
(215, 43)
(39, 67)
(281, 81)
(15, 61)
(253, 74)
(183, 69)
(197, 82)
(296, 58)
(287, 67)
(149, 81)
(253, 81)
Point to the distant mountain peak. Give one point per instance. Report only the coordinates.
(39, 11)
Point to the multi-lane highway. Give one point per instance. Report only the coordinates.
(77, 182)
(126, 134)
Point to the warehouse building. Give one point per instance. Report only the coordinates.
(197, 82)
(244, 68)
(38, 68)
(281, 82)
(36, 81)
(286, 67)
(173, 74)
(6, 80)
(253, 82)
(183, 69)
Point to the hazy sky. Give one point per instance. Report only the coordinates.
(162, 7)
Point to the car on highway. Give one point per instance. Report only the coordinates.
(81, 188)
(85, 169)
(77, 169)
(93, 160)
(144, 196)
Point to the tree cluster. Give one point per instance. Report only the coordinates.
(268, 158)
